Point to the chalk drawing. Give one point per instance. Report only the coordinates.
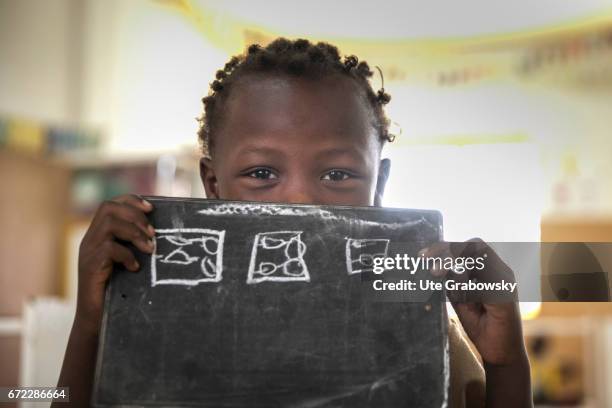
(193, 256)
(305, 211)
(278, 256)
(360, 254)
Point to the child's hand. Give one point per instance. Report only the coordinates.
(120, 219)
(495, 326)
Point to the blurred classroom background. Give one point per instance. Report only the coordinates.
(503, 111)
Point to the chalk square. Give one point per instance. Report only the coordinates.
(187, 256)
(278, 256)
(360, 254)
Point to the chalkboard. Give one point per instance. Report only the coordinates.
(262, 305)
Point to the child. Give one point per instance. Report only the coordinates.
(295, 123)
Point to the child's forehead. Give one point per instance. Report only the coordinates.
(266, 103)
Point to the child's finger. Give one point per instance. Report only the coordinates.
(136, 217)
(495, 269)
(128, 213)
(437, 250)
(117, 228)
(120, 254)
(434, 249)
(135, 201)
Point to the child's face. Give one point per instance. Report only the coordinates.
(296, 141)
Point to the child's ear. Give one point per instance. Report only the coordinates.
(383, 174)
(209, 178)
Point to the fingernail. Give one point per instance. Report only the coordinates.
(136, 265)
(148, 204)
(151, 230)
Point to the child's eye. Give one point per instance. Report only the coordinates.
(336, 175)
(262, 174)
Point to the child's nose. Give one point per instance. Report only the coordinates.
(300, 195)
(300, 199)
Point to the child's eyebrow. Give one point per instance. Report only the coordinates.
(349, 151)
(338, 151)
(260, 150)
(332, 152)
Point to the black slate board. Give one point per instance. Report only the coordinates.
(242, 339)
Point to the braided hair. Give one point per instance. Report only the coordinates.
(299, 58)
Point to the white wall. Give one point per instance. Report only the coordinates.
(38, 59)
(146, 72)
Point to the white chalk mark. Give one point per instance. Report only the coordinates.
(360, 254)
(272, 243)
(208, 268)
(278, 256)
(177, 240)
(178, 256)
(275, 209)
(366, 259)
(293, 263)
(205, 244)
(267, 268)
(193, 245)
